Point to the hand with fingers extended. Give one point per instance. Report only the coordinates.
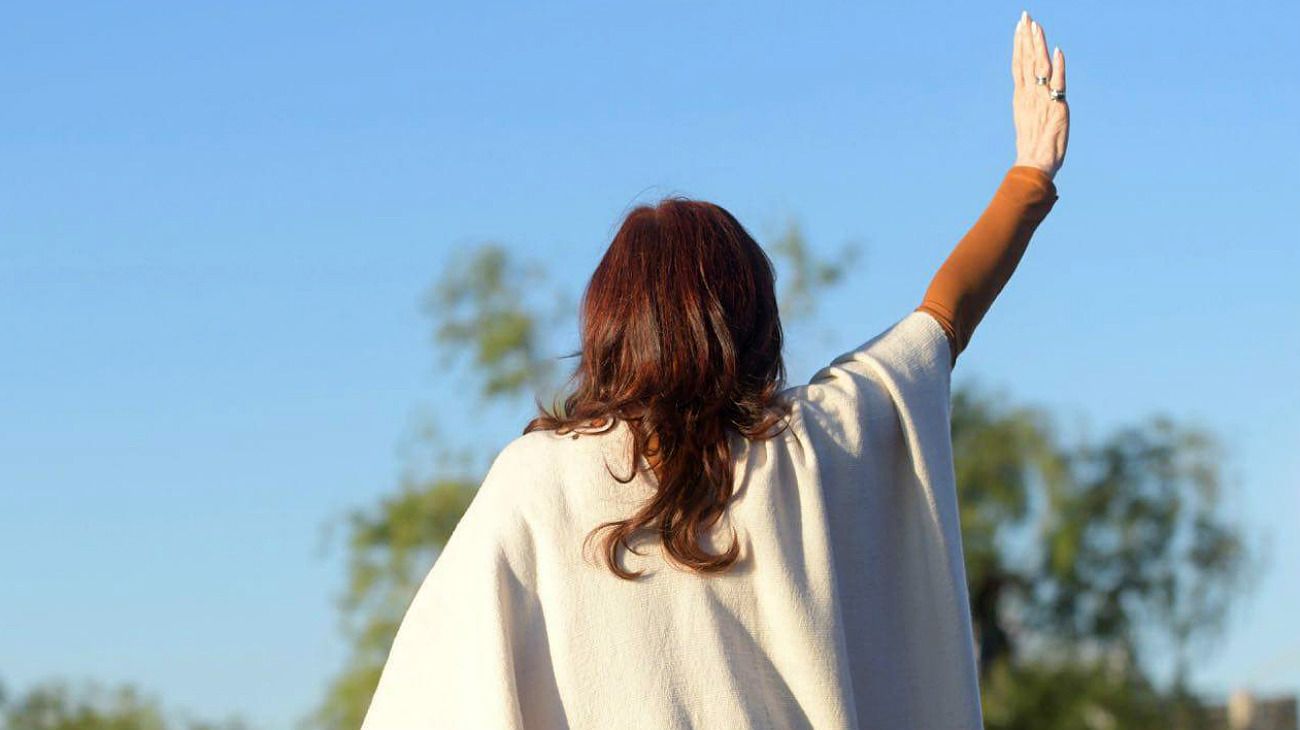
(1042, 116)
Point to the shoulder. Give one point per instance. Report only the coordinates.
(543, 454)
(519, 469)
(866, 385)
(917, 338)
(525, 484)
(527, 452)
(914, 347)
(518, 473)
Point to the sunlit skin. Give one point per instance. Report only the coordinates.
(1042, 123)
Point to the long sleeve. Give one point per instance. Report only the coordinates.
(979, 266)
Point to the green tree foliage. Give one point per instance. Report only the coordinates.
(1079, 556)
(390, 550)
(1084, 695)
(60, 705)
(481, 313)
(805, 275)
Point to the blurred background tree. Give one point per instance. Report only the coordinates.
(61, 705)
(1081, 557)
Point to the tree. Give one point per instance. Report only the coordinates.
(59, 705)
(1081, 557)
(481, 313)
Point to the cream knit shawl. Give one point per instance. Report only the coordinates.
(849, 607)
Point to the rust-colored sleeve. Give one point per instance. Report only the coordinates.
(975, 272)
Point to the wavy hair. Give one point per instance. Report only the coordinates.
(681, 339)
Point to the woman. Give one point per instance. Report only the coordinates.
(808, 570)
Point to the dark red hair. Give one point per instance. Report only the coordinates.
(681, 339)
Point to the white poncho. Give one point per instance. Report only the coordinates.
(848, 608)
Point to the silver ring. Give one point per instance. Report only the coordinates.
(1040, 80)
(1057, 94)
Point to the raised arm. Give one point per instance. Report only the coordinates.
(981, 264)
(974, 273)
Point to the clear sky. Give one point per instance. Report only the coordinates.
(217, 221)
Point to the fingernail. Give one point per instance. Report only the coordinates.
(1024, 14)
(1056, 51)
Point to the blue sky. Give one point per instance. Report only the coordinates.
(217, 221)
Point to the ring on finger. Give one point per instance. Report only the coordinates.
(1040, 80)
(1056, 94)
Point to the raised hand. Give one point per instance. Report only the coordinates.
(1042, 123)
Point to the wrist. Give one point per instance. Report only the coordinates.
(1029, 183)
(1046, 169)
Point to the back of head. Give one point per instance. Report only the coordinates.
(681, 338)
